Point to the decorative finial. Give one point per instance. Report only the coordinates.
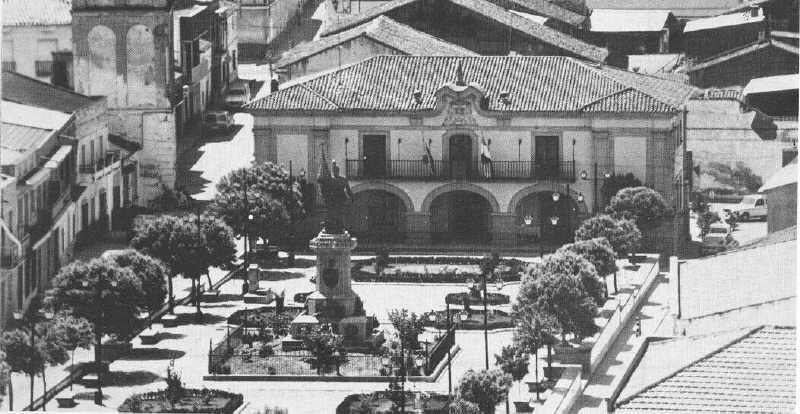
(460, 75)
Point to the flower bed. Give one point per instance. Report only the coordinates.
(192, 401)
(387, 401)
(445, 269)
(492, 299)
(265, 317)
(496, 320)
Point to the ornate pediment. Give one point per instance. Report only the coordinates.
(459, 113)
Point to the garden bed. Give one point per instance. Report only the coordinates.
(384, 402)
(265, 317)
(433, 269)
(496, 320)
(193, 401)
(492, 299)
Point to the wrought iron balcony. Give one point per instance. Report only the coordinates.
(439, 170)
(44, 67)
(10, 257)
(100, 166)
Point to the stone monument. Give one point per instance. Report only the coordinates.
(334, 302)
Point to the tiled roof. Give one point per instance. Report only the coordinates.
(552, 10)
(493, 12)
(744, 50)
(534, 83)
(724, 20)
(753, 374)
(36, 12)
(714, 94)
(22, 89)
(383, 30)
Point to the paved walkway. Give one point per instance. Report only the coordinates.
(653, 313)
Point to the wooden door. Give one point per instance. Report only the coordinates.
(374, 155)
(547, 159)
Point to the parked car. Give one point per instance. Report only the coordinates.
(719, 235)
(238, 94)
(751, 207)
(217, 121)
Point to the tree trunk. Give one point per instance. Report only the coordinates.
(170, 299)
(210, 284)
(71, 367)
(196, 288)
(31, 375)
(98, 398)
(605, 287)
(10, 393)
(44, 384)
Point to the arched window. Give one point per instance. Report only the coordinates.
(141, 71)
(102, 62)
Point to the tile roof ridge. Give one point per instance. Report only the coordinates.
(602, 98)
(736, 340)
(724, 53)
(321, 96)
(602, 68)
(365, 16)
(375, 27)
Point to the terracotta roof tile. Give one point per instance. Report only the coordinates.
(754, 374)
(534, 83)
(22, 89)
(36, 12)
(493, 12)
(383, 30)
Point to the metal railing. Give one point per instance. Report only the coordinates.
(454, 170)
(10, 66)
(44, 67)
(109, 159)
(10, 257)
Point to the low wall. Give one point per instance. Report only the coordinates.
(775, 312)
(623, 313)
(564, 393)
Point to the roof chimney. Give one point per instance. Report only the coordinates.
(418, 97)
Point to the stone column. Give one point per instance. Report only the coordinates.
(333, 268)
(418, 228)
(504, 229)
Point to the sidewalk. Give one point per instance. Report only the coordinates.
(653, 314)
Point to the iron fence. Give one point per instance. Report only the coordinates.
(454, 170)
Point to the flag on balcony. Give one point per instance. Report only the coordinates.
(429, 156)
(486, 159)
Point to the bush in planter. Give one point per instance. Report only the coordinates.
(175, 390)
(266, 350)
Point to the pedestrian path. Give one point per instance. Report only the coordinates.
(653, 314)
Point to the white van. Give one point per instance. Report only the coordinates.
(753, 206)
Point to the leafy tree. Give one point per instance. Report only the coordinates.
(408, 326)
(485, 388)
(559, 296)
(705, 220)
(152, 273)
(459, 406)
(5, 379)
(597, 251)
(643, 205)
(20, 356)
(616, 182)
(737, 179)
(622, 234)
(219, 243)
(513, 361)
(105, 294)
(324, 347)
(74, 332)
(268, 193)
(568, 262)
(52, 347)
(154, 237)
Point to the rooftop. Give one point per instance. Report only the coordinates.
(36, 12)
(534, 84)
(680, 8)
(724, 20)
(772, 84)
(621, 20)
(24, 90)
(382, 30)
(744, 50)
(551, 10)
(655, 63)
(742, 371)
(491, 12)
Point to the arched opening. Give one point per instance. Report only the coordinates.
(378, 216)
(546, 220)
(460, 216)
(101, 79)
(140, 51)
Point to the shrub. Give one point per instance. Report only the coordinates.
(622, 234)
(643, 205)
(266, 350)
(613, 184)
(175, 390)
(484, 388)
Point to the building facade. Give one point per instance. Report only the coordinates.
(33, 31)
(466, 150)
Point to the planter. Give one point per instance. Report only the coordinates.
(149, 337)
(522, 407)
(210, 296)
(66, 402)
(169, 321)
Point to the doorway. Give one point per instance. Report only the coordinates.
(374, 147)
(460, 156)
(546, 157)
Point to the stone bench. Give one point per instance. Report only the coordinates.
(90, 380)
(149, 336)
(66, 402)
(169, 321)
(210, 296)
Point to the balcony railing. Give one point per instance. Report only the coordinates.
(10, 66)
(44, 67)
(454, 170)
(101, 164)
(9, 257)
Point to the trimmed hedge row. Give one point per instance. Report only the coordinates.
(514, 269)
(491, 299)
(234, 401)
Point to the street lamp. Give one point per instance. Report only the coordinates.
(556, 196)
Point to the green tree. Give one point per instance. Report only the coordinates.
(52, 346)
(569, 262)
(324, 348)
(513, 361)
(74, 333)
(616, 182)
(152, 273)
(485, 388)
(459, 406)
(269, 194)
(597, 251)
(220, 244)
(105, 294)
(408, 326)
(5, 379)
(645, 206)
(154, 237)
(20, 356)
(623, 235)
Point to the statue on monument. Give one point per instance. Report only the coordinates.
(337, 195)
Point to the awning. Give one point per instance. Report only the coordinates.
(58, 157)
(772, 84)
(39, 177)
